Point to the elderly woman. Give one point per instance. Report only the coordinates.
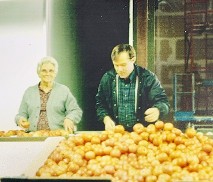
(48, 105)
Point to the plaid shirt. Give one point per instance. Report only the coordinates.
(126, 100)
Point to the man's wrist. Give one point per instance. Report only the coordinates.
(106, 118)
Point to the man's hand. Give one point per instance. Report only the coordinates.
(109, 123)
(152, 114)
(23, 123)
(69, 125)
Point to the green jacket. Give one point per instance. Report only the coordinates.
(150, 94)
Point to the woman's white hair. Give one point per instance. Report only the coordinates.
(47, 59)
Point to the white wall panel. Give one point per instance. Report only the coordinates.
(22, 44)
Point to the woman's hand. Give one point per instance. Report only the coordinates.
(69, 125)
(23, 123)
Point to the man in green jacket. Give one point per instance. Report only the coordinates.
(129, 94)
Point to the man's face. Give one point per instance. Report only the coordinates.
(123, 65)
(47, 73)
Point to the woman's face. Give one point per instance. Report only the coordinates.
(47, 73)
(123, 65)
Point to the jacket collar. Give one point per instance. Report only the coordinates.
(138, 71)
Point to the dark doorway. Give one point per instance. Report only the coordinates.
(101, 24)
